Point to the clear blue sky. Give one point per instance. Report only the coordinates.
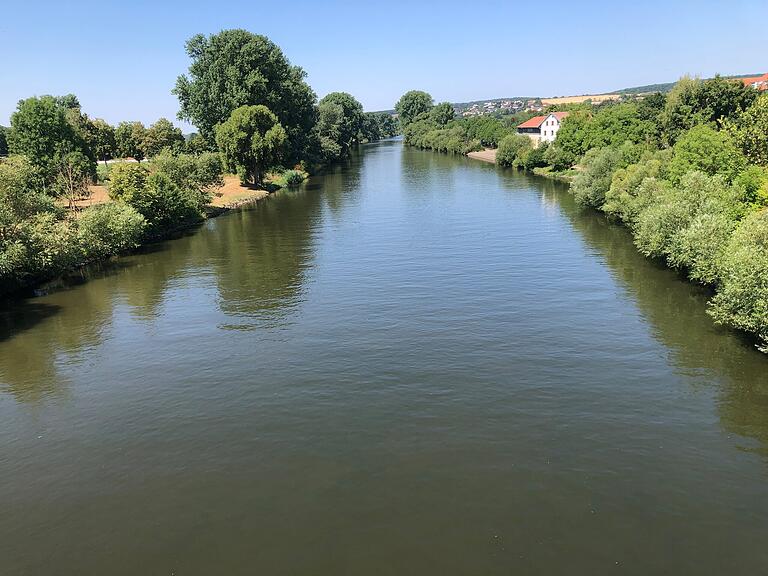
(122, 59)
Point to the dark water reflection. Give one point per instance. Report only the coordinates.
(418, 364)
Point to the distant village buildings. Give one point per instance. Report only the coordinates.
(542, 128)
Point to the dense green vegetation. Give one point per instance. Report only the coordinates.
(686, 171)
(435, 127)
(688, 174)
(255, 115)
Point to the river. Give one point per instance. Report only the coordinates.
(418, 364)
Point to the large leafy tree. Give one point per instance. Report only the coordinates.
(707, 150)
(442, 113)
(236, 68)
(411, 104)
(341, 120)
(102, 139)
(692, 101)
(251, 140)
(42, 131)
(129, 139)
(751, 131)
(161, 134)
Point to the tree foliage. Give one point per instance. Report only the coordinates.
(129, 140)
(42, 131)
(442, 113)
(705, 149)
(236, 68)
(411, 105)
(751, 131)
(251, 140)
(511, 148)
(692, 102)
(162, 134)
(341, 121)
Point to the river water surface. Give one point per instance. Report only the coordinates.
(417, 365)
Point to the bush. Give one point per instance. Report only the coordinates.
(707, 150)
(621, 199)
(36, 240)
(753, 184)
(599, 164)
(109, 229)
(690, 224)
(590, 186)
(156, 196)
(126, 180)
(511, 147)
(742, 300)
(199, 174)
(293, 178)
(558, 158)
(533, 157)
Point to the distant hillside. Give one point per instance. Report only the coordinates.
(666, 86)
(663, 88)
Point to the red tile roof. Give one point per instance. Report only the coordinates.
(534, 122)
(537, 121)
(761, 81)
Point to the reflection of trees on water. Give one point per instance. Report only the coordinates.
(39, 333)
(676, 311)
(259, 256)
(431, 173)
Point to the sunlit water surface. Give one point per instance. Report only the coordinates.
(417, 365)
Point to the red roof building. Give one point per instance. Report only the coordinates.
(542, 128)
(757, 82)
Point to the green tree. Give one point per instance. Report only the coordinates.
(163, 203)
(35, 240)
(196, 144)
(41, 131)
(340, 120)
(411, 104)
(103, 141)
(511, 147)
(199, 174)
(161, 134)
(705, 149)
(742, 300)
(692, 102)
(250, 140)
(129, 140)
(442, 113)
(235, 68)
(751, 131)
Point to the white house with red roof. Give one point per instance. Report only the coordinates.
(542, 128)
(757, 82)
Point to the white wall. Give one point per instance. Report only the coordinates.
(549, 128)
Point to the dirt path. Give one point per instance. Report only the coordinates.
(230, 195)
(234, 194)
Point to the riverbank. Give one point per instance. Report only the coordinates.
(231, 194)
(489, 155)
